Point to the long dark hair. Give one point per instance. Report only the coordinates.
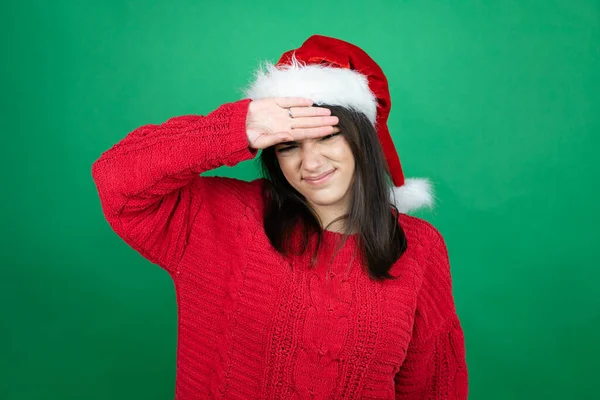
(371, 215)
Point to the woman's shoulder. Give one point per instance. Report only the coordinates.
(427, 245)
(420, 230)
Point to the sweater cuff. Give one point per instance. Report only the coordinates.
(235, 143)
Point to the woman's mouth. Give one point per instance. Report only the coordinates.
(320, 179)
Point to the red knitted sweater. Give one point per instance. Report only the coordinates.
(254, 324)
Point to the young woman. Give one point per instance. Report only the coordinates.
(311, 282)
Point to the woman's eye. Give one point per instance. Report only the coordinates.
(284, 149)
(330, 136)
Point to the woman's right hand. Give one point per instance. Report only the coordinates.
(269, 122)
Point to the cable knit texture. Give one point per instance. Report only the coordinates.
(254, 324)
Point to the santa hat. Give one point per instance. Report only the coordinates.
(331, 71)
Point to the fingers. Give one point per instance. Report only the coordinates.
(282, 119)
(299, 112)
(314, 122)
(287, 102)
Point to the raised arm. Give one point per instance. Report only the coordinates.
(149, 184)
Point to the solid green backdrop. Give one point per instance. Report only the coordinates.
(497, 102)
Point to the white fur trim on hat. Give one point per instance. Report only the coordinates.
(321, 83)
(414, 194)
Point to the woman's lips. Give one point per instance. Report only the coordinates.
(321, 179)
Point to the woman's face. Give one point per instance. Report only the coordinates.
(320, 169)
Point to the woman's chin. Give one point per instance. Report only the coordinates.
(325, 200)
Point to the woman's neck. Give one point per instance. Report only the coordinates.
(329, 216)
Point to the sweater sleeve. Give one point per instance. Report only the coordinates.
(149, 184)
(435, 365)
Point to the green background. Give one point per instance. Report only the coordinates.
(497, 102)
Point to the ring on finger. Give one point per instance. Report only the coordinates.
(290, 113)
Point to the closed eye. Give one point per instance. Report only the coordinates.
(286, 148)
(330, 136)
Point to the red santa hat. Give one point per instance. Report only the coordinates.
(331, 71)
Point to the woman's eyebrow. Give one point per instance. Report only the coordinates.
(289, 143)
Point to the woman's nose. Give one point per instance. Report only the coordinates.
(312, 159)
